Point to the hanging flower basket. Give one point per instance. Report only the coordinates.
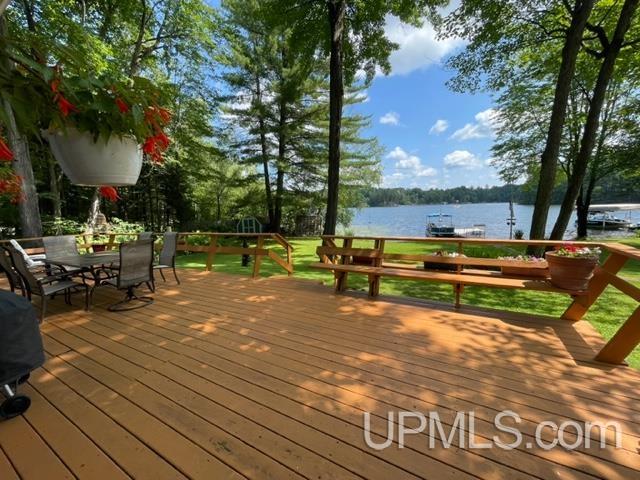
(572, 268)
(89, 162)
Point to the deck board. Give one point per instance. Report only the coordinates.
(228, 377)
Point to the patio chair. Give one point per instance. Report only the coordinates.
(134, 269)
(145, 236)
(167, 257)
(33, 261)
(6, 267)
(62, 246)
(48, 286)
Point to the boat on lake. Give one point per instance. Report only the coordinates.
(440, 225)
(601, 217)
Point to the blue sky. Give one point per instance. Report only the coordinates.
(433, 137)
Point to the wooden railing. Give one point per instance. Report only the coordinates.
(253, 245)
(624, 340)
(258, 252)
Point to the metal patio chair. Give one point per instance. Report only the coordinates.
(167, 258)
(134, 269)
(33, 261)
(13, 277)
(48, 286)
(62, 246)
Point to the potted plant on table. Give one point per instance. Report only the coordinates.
(571, 267)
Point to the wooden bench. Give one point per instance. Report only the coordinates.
(340, 260)
(375, 263)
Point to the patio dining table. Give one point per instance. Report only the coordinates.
(90, 263)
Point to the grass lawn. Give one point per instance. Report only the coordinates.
(606, 315)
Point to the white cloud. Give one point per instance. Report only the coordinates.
(439, 127)
(390, 118)
(411, 164)
(486, 123)
(418, 46)
(462, 159)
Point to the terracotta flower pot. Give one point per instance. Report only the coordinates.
(94, 163)
(570, 273)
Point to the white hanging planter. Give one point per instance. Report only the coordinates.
(87, 162)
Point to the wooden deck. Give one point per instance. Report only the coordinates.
(228, 377)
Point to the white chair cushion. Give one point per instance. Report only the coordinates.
(30, 260)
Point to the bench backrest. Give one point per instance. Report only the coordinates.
(328, 254)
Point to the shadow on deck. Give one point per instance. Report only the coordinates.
(228, 377)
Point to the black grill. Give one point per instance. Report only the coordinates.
(21, 351)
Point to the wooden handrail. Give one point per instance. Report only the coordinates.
(478, 241)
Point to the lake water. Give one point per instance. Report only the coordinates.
(410, 220)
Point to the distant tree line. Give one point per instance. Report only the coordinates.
(613, 189)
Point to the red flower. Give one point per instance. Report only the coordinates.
(11, 186)
(55, 84)
(149, 145)
(155, 145)
(110, 193)
(162, 140)
(6, 155)
(164, 115)
(150, 115)
(122, 105)
(65, 106)
(157, 115)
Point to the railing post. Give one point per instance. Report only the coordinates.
(289, 259)
(458, 287)
(257, 257)
(342, 277)
(211, 254)
(623, 342)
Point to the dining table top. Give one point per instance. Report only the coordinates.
(87, 260)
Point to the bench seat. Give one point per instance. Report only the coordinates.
(496, 281)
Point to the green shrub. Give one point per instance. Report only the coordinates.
(61, 226)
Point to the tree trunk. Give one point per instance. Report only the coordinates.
(611, 52)
(265, 155)
(94, 210)
(336, 11)
(28, 209)
(549, 158)
(3, 5)
(282, 145)
(583, 204)
(54, 186)
(277, 222)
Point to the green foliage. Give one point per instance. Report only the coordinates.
(365, 44)
(61, 226)
(118, 225)
(276, 108)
